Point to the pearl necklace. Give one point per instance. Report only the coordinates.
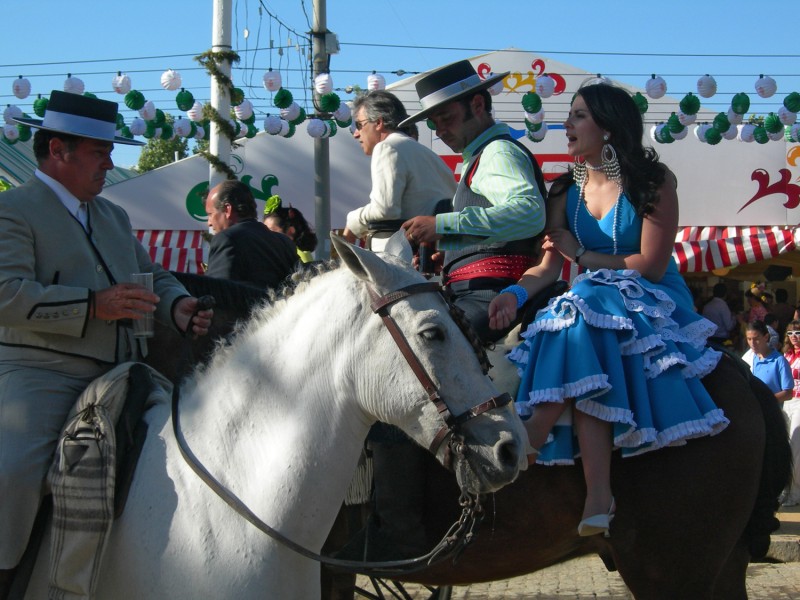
(614, 226)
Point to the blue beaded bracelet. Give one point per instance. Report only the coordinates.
(519, 292)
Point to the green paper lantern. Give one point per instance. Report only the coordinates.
(252, 130)
(250, 120)
(24, 132)
(184, 99)
(134, 100)
(160, 119)
(533, 126)
(713, 136)
(192, 129)
(329, 102)
(531, 102)
(721, 122)
(792, 102)
(149, 129)
(760, 135)
(300, 117)
(331, 127)
(291, 131)
(166, 131)
(237, 96)
(674, 124)
(125, 132)
(641, 102)
(431, 125)
(772, 123)
(740, 103)
(787, 134)
(89, 95)
(39, 106)
(283, 98)
(120, 121)
(690, 104)
(341, 123)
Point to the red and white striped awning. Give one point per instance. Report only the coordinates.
(703, 249)
(175, 250)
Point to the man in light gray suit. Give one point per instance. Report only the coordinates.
(65, 307)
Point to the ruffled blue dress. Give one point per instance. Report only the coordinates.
(627, 350)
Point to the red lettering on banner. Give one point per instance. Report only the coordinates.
(781, 187)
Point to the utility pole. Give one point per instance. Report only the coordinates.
(219, 144)
(322, 167)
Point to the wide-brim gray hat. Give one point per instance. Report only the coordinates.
(449, 83)
(82, 116)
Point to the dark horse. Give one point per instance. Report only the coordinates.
(689, 519)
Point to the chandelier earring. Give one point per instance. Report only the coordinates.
(610, 164)
(579, 171)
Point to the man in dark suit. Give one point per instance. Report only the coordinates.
(243, 249)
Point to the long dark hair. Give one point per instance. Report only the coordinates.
(304, 237)
(613, 109)
(788, 346)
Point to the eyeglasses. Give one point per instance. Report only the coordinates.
(360, 124)
(793, 333)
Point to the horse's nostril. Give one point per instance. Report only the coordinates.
(508, 454)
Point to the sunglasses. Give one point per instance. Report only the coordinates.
(793, 333)
(360, 124)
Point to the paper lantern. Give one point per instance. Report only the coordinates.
(734, 117)
(134, 100)
(328, 103)
(679, 135)
(655, 132)
(535, 118)
(641, 102)
(288, 131)
(73, 85)
(533, 126)
(160, 118)
(323, 83)
(343, 114)
(539, 135)
(689, 104)
(545, 86)
(655, 87)
(283, 98)
(272, 81)
(674, 124)
(148, 111)
(700, 132)
(170, 80)
(184, 99)
(12, 112)
(291, 112)
(167, 132)
(272, 124)
(496, 87)
(196, 112)
(40, 105)
(746, 132)
(120, 121)
(251, 131)
(713, 136)
(244, 110)
(375, 82)
(301, 116)
(775, 136)
(792, 102)
(772, 123)
(731, 132)
(740, 103)
(721, 122)
(138, 126)
(21, 88)
(766, 86)
(11, 133)
(182, 127)
(121, 83)
(706, 86)
(532, 102)
(316, 128)
(795, 132)
(685, 119)
(786, 116)
(760, 135)
(237, 96)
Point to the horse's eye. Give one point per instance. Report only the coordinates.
(433, 334)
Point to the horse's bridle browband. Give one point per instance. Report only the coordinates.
(380, 305)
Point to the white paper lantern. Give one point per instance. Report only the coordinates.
(21, 87)
(148, 111)
(244, 111)
(285, 128)
(685, 119)
(12, 112)
(680, 134)
(11, 132)
(496, 87)
(316, 128)
(170, 80)
(706, 86)
(291, 112)
(121, 83)
(535, 118)
(200, 132)
(323, 83)
(700, 132)
(795, 132)
(539, 134)
(734, 118)
(138, 126)
(73, 85)
(654, 133)
(196, 112)
(182, 127)
(343, 113)
(786, 116)
(746, 132)
(766, 86)
(545, 86)
(272, 124)
(272, 81)
(776, 137)
(375, 82)
(656, 87)
(731, 133)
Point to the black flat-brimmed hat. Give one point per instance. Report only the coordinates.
(449, 83)
(83, 116)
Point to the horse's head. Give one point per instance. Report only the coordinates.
(431, 388)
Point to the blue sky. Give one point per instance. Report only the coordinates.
(735, 41)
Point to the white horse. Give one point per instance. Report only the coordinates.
(279, 417)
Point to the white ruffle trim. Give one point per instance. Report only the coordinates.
(588, 387)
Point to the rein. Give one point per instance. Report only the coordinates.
(458, 536)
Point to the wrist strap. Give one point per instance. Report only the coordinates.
(519, 292)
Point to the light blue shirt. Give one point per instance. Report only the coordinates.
(774, 370)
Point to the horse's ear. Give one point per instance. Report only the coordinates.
(364, 264)
(398, 246)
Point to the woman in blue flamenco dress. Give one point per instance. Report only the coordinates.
(623, 349)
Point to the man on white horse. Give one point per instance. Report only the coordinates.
(65, 308)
